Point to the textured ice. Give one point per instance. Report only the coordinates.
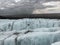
(20, 24)
(39, 38)
(11, 40)
(4, 35)
(31, 31)
(35, 23)
(6, 25)
(51, 29)
(56, 43)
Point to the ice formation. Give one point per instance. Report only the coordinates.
(23, 24)
(29, 31)
(39, 38)
(52, 29)
(56, 43)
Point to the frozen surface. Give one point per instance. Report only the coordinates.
(11, 40)
(29, 31)
(39, 38)
(52, 29)
(6, 25)
(56, 43)
(27, 24)
(35, 23)
(4, 35)
(20, 24)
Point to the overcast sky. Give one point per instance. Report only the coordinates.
(29, 6)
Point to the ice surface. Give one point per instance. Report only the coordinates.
(20, 24)
(35, 39)
(4, 35)
(35, 23)
(31, 31)
(56, 43)
(31, 38)
(6, 25)
(11, 40)
(51, 29)
(38, 38)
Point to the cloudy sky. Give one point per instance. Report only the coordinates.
(29, 6)
(50, 7)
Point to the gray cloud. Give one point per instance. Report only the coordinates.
(9, 7)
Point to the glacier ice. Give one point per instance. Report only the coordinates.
(51, 29)
(56, 43)
(35, 23)
(4, 35)
(38, 38)
(23, 24)
(20, 25)
(11, 40)
(6, 25)
(29, 31)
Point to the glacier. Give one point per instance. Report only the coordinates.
(56, 43)
(29, 31)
